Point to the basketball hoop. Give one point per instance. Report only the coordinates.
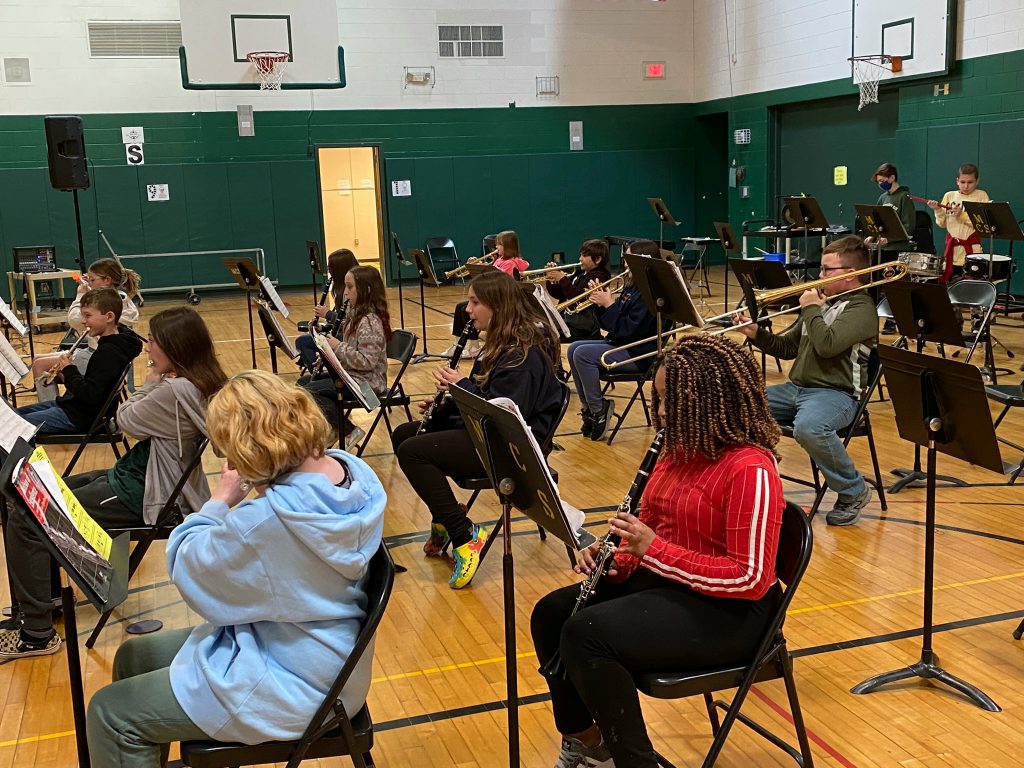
(867, 71)
(269, 68)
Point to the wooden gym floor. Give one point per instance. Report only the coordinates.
(438, 691)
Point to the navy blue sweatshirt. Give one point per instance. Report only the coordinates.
(628, 320)
(84, 394)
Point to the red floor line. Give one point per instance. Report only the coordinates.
(811, 735)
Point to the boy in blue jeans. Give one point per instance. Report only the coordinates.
(85, 392)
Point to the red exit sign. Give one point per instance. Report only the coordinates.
(654, 70)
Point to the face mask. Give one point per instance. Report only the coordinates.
(885, 185)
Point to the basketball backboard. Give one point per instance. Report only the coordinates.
(216, 35)
(918, 31)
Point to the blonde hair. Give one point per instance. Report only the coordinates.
(121, 278)
(265, 427)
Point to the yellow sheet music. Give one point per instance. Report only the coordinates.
(91, 531)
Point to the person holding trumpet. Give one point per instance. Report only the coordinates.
(626, 319)
(829, 344)
(593, 267)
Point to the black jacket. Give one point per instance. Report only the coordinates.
(84, 394)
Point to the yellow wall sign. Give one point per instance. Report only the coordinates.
(839, 175)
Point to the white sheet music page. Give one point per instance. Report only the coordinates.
(366, 396)
(13, 426)
(551, 310)
(8, 314)
(272, 294)
(11, 364)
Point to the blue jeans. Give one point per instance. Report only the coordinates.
(307, 350)
(49, 417)
(815, 413)
(585, 364)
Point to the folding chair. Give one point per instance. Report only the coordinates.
(100, 431)
(478, 484)
(980, 297)
(771, 661)
(640, 378)
(400, 349)
(332, 731)
(860, 426)
(441, 250)
(144, 535)
(1009, 396)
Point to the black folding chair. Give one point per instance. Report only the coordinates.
(144, 535)
(441, 250)
(980, 297)
(102, 430)
(1009, 396)
(332, 731)
(771, 661)
(612, 377)
(401, 349)
(860, 426)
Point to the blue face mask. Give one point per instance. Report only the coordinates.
(885, 185)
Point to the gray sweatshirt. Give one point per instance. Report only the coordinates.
(172, 414)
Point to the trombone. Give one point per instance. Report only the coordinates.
(579, 303)
(463, 269)
(891, 272)
(539, 275)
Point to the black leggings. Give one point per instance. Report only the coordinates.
(428, 461)
(645, 624)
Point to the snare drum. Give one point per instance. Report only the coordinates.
(976, 267)
(923, 264)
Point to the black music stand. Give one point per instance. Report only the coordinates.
(315, 267)
(922, 311)
(518, 473)
(730, 246)
(805, 212)
(937, 404)
(247, 275)
(881, 221)
(426, 272)
(664, 217)
(104, 582)
(760, 275)
(663, 289)
(402, 262)
(996, 221)
(276, 338)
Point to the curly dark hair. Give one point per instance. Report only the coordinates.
(714, 400)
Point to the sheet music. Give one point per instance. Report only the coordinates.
(273, 296)
(575, 516)
(550, 309)
(281, 339)
(360, 390)
(11, 364)
(8, 314)
(13, 426)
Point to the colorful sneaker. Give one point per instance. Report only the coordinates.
(434, 546)
(14, 646)
(575, 754)
(467, 559)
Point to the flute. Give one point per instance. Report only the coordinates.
(48, 376)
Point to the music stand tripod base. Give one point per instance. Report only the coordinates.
(928, 668)
(914, 478)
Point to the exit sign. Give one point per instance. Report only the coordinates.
(654, 70)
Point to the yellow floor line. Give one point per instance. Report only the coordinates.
(30, 739)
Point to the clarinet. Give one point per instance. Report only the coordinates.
(610, 542)
(315, 322)
(460, 345)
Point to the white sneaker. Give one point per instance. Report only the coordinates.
(575, 754)
(353, 438)
(473, 349)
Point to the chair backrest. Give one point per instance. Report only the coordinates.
(109, 407)
(884, 310)
(549, 438)
(922, 234)
(973, 293)
(379, 582)
(170, 506)
(436, 243)
(795, 539)
(402, 346)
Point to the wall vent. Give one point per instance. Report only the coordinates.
(16, 71)
(134, 39)
(455, 41)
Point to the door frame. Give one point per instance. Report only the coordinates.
(382, 211)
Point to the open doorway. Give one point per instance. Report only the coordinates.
(351, 209)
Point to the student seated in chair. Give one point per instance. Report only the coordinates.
(86, 391)
(278, 578)
(167, 416)
(692, 585)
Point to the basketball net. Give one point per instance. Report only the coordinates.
(867, 74)
(269, 67)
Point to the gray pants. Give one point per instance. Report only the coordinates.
(132, 721)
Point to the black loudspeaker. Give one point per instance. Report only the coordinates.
(65, 152)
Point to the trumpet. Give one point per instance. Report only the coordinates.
(579, 303)
(463, 269)
(49, 375)
(891, 272)
(540, 274)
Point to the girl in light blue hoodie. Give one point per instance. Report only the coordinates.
(278, 578)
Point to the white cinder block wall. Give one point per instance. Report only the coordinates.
(595, 47)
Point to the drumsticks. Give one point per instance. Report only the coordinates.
(925, 201)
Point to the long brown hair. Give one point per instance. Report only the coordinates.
(714, 400)
(509, 240)
(371, 299)
(185, 339)
(338, 265)
(121, 278)
(517, 323)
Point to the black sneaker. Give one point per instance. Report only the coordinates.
(13, 623)
(588, 422)
(889, 328)
(601, 421)
(847, 510)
